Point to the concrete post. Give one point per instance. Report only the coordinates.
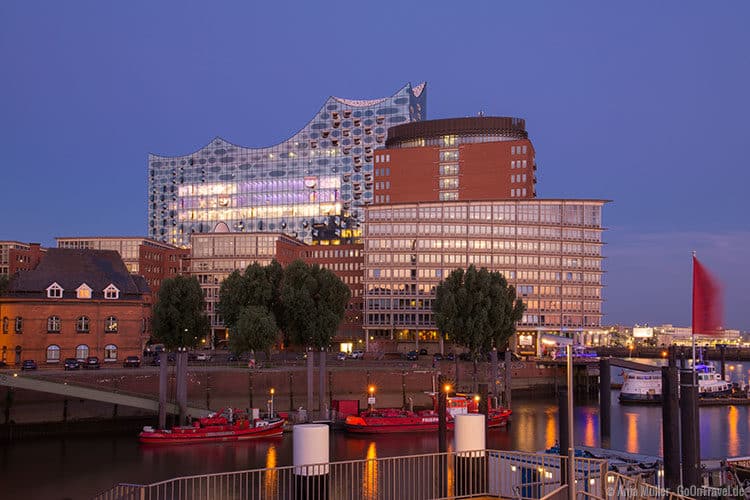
(508, 381)
(322, 385)
(310, 372)
(469, 441)
(182, 384)
(162, 389)
(494, 380)
(605, 401)
(311, 457)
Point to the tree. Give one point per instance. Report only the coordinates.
(4, 284)
(255, 330)
(314, 304)
(178, 318)
(259, 286)
(477, 309)
(314, 301)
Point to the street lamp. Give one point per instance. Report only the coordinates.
(273, 391)
(371, 397)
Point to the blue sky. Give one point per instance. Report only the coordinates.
(643, 103)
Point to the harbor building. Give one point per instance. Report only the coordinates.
(322, 172)
(549, 249)
(74, 304)
(476, 158)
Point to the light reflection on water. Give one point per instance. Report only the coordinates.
(82, 467)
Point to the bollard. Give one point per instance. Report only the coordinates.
(311, 457)
(469, 441)
(689, 429)
(670, 426)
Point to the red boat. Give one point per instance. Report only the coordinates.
(225, 425)
(388, 420)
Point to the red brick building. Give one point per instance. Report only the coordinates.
(153, 260)
(17, 256)
(478, 158)
(75, 303)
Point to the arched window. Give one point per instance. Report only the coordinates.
(82, 351)
(82, 325)
(19, 351)
(53, 353)
(110, 352)
(53, 324)
(110, 325)
(5, 353)
(5, 324)
(19, 324)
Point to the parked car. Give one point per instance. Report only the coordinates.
(92, 363)
(449, 357)
(132, 362)
(412, 356)
(423, 352)
(155, 361)
(71, 364)
(341, 356)
(28, 364)
(437, 356)
(203, 356)
(232, 358)
(358, 354)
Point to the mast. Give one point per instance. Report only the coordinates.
(692, 325)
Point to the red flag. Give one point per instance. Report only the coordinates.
(706, 301)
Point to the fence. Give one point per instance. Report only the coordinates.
(487, 473)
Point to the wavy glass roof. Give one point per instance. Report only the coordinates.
(324, 170)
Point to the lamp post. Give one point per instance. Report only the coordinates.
(371, 398)
(273, 391)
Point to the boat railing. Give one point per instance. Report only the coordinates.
(489, 473)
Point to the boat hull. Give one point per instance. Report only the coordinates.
(202, 435)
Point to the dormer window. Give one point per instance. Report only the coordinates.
(83, 291)
(54, 291)
(111, 292)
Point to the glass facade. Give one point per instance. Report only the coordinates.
(325, 170)
(550, 250)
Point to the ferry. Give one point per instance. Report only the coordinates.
(645, 387)
(388, 420)
(225, 425)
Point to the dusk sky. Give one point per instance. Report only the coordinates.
(642, 103)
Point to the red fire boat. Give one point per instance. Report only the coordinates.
(225, 425)
(388, 420)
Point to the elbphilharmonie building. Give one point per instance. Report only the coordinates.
(322, 173)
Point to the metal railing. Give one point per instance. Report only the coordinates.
(487, 473)
(494, 473)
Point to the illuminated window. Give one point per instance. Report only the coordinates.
(83, 292)
(110, 325)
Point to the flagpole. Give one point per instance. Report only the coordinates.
(692, 325)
